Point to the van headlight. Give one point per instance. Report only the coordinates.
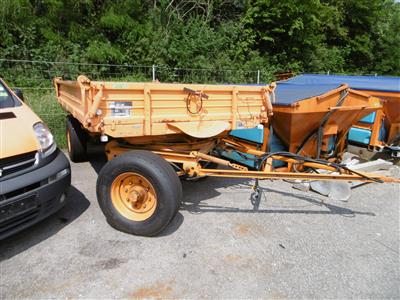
(45, 139)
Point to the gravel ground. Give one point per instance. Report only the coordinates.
(297, 245)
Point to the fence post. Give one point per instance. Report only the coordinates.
(154, 72)
(258, 76)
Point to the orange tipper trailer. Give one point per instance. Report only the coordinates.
(158, 132)
(375, 130)
(314, 120)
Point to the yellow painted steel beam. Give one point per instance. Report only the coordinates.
(293, 175)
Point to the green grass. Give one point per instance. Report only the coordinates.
(45, 105)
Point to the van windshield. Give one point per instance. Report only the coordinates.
(6, 99)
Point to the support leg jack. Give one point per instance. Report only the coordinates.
(255, 197)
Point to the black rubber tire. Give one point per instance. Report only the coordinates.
(159, 173)
(77, 145)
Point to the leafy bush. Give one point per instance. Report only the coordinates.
(312, 35)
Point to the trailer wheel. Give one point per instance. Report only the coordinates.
(76, 140)
(139, 192)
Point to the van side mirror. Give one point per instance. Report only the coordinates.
(19, 94)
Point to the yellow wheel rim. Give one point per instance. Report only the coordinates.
(133, 196)
(69, 141)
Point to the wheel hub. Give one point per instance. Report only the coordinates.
(133, 196)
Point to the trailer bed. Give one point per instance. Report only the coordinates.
(138, 109)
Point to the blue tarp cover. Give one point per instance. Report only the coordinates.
(287, 93)
(372, 83)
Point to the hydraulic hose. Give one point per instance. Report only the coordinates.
(320, 130)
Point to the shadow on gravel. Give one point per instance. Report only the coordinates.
(76, 204)
(97, 157)
(196, 193)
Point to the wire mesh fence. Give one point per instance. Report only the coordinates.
(38, 74)
(35, 79)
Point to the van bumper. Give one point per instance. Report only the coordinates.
(33, 196)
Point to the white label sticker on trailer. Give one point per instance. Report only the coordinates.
(120, 108)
